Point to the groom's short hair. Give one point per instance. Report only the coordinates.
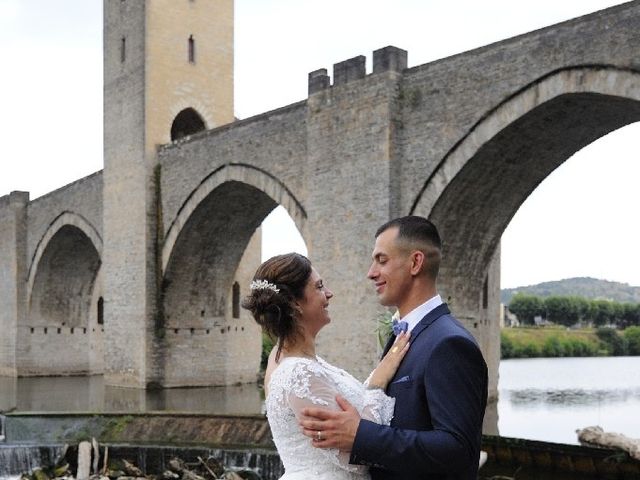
(418, 233)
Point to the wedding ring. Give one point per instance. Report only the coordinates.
(394, 349)
(318, 435)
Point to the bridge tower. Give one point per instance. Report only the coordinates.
(168, 73)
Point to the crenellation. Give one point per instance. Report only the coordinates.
(18, 198)
(318, 81)
(389, 58)
(349, 70)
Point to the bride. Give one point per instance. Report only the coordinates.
(290, 301)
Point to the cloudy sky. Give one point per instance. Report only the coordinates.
(579, 222)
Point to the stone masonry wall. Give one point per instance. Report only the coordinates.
(442, 100)
(351, 135)
(12, 276)
(355, 154)
(274, 142)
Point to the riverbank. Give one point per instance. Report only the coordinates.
(557, 341)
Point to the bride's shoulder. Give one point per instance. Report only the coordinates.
(291, 369)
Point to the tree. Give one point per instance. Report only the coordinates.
(526, 307)
(582, 304)
(631, 315)
(603, 312)
(562, 310)
(618, 314)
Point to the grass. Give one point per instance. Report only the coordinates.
(527, 342)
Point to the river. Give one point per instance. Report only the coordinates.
(540, 399)
(549, 398)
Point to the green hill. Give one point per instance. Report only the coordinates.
(581, 287)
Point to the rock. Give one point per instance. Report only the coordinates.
(597, 436)
(131, 469)
(232, 476)
(176, 464)
(189, 475)
(169, 475)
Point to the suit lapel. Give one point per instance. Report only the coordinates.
(428, 319)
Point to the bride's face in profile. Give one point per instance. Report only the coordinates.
(314, 306)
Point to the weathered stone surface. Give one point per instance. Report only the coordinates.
(597, 436)
(218, 430)
(84, 461)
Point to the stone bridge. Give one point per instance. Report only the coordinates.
(137, 273)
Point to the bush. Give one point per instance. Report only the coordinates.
(613, 343)
(530, 350)
(506, 346)
(524, 342)
(632, 336)
(579, 348)
(553, 347)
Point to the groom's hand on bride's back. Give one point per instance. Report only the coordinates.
(331, 428)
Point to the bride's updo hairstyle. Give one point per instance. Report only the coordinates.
(276, 286)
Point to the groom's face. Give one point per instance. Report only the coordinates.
(390, 270)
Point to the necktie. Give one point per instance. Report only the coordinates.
(399, 327)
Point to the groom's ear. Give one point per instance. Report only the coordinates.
(417, 262)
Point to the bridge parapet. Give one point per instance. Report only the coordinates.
(387, 59)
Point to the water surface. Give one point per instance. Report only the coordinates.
(540, 399)
(550, 398)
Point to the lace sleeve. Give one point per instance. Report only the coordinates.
(378, 407)
(311, 386)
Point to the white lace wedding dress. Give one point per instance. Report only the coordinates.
(301, 382)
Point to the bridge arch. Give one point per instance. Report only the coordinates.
(64, 287)
(479, 185)
(69, 222)
(233, 172)
(209, 256)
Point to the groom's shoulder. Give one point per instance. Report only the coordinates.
(448, 325)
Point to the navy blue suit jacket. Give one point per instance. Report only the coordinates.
(441, 395)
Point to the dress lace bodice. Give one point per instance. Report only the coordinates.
(301, 382)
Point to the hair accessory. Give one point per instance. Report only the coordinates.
(263, 285)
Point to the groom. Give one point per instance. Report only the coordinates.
(441, 386)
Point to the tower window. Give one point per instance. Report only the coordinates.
(192, 49)
(187, 122)
(485, 292)
(100, 311)
(123, 49)
(236, 300)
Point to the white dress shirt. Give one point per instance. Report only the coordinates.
(418, 313)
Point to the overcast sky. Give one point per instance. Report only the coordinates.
(581, 221)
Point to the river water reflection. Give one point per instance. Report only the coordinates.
(89, 394)
(550, 398)
(540, 399)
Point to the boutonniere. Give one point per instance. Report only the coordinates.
(384, 329)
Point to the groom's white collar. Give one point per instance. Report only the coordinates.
(418, 313)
